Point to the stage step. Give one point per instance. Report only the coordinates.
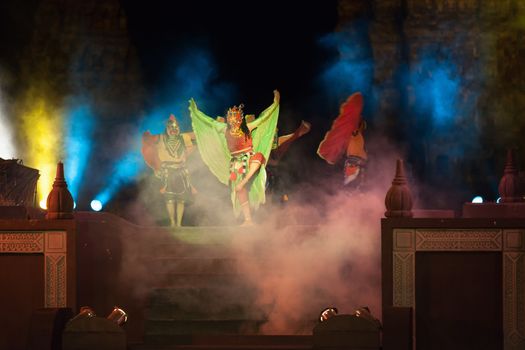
(199, 288)
(198, 280)
(203, 303)
(193, 265)
(223, 342)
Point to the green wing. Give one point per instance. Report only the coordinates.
(263, 131)
(211, 143)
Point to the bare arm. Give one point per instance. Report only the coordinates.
(265, 115)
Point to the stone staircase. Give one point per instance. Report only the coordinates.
(233, 342)
(201, 299)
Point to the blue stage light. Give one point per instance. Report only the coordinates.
(436, 85)
(96, 205)
(124, 171)
(354, 70)
(79, 127)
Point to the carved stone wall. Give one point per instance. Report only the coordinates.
(510, 242)
(53, 246)
(38, 264)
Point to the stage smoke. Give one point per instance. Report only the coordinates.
(7, 145)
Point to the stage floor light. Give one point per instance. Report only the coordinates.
(118, 316)
(477, 199)
(96, 205)
(327, 313)
(364, 313)
(85, 311)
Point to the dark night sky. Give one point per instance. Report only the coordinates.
(258, 46)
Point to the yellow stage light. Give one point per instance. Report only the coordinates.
(42, 129)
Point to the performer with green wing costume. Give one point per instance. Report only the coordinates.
(236, 152)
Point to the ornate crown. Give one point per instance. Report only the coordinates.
(236, 112)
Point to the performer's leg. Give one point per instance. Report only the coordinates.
(247, 214)
(180, 212)
(242, 196)
(301, 130)
(170, 206)
(254, 167)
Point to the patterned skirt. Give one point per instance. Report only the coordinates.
(176, 182)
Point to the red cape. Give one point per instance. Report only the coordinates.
(149, 150)
(336, 140)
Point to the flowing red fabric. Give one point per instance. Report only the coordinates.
(336, 139)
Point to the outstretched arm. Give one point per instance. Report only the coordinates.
(267, 113)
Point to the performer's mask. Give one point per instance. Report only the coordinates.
(172, 126)
(235, 116)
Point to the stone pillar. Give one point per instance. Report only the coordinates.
(398, 200)
(59, 200)
(509, 185)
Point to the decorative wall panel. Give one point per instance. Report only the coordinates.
(53, 245)
(510, 242)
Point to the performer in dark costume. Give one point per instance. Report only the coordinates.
(280, 146)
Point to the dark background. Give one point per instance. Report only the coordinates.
(253, 48)
(259, 46)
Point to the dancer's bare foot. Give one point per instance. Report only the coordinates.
(247, 223)
(304, 128)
